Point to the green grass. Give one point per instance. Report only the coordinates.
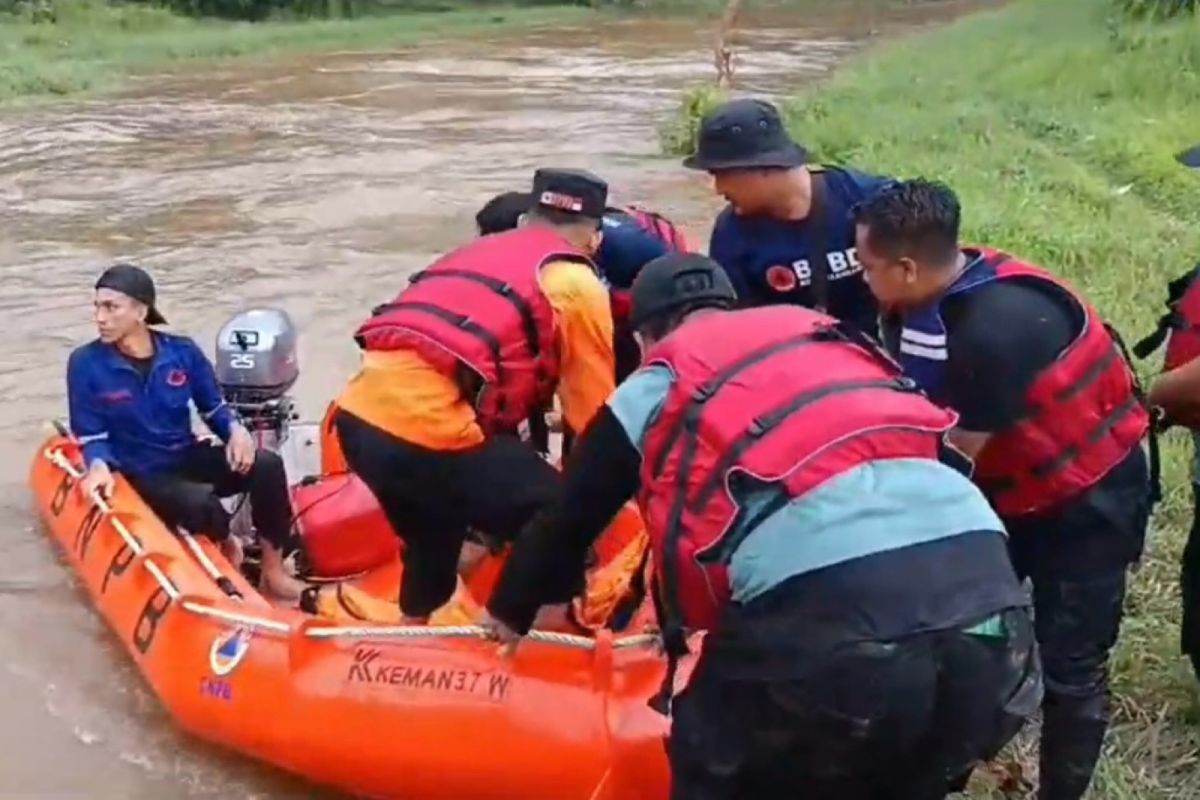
(1057, 122)
(94, 47)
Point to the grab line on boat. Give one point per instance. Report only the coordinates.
(57, 458)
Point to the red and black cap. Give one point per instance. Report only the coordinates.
(570, 191)
(133, 281)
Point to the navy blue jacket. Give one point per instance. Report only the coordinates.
(625, 249)
(748, 247)
(143, 427)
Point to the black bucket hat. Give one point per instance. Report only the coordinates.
(135, 282)
(744, 134)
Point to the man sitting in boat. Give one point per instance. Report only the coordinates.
(451, 368)
(633, 236)
(129, 393)
(857, 645)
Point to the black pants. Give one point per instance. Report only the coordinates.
(188, 497)
(626, 351)
(1189, 584)
(1077, 559)
(432, 498)
(903, 720)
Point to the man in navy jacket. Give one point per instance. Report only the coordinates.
(130, 392)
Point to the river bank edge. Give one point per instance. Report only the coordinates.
(96, 49)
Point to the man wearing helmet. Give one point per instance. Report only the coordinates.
(855, 646)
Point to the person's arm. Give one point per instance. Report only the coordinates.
(87, 420)
(550, 555)
(1177, 392)
(585, 336)
(206, 394)
(602, 473)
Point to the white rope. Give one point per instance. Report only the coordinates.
(206, 563)
(131, 541)
(474, 632)
(236, 617)
(447, 631)
(359, 632)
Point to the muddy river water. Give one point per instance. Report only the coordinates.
(315, 185)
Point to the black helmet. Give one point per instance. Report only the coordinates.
(676, 280)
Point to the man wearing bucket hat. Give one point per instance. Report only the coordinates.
(130, 393)
(787, 235)
(785, 470)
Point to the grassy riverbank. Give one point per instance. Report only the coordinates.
(93, 46)
(78, 46)
(1057, 122)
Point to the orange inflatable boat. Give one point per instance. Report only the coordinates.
(375, 709)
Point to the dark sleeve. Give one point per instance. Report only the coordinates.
(624, 250)
(549, 556)
(724, 248)
(999, 339)
(86, 418)
(207, 394)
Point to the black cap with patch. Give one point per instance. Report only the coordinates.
(570, 191)
(135, 282)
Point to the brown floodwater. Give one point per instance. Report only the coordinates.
(313, 184)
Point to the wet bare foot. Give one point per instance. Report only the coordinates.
(553, 618)
(234, 551)
(275, 577)
(470, 557)
(282, 585)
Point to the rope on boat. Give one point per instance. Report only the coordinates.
(131, 541)
(57, 458)
(470, 632)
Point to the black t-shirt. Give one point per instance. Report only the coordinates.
(142, 365)
(1000, 337)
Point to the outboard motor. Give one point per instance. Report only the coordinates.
(256, 367)
(337, 522)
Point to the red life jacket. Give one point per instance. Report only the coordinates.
(482, 307)
(658, 225)
(1180, 326)
(1085, 416)
(777, 393)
